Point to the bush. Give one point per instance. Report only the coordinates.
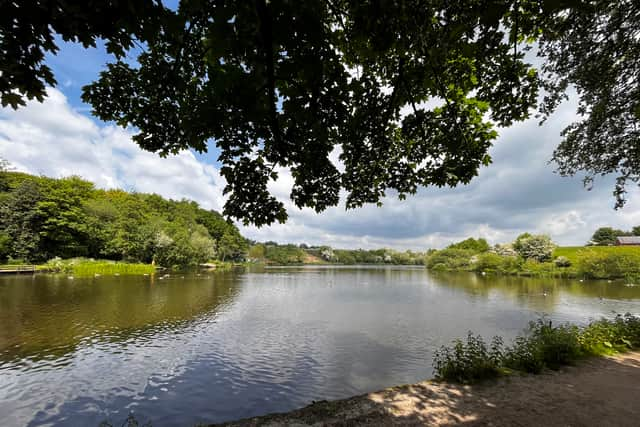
(469, 362)
(609, 336)
(538, 247)
(562, 261)
(543, 346)
(602, 265)
(451, 259)
(489, 262)
(504, 250)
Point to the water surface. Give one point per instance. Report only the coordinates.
(215, 347)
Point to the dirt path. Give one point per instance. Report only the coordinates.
(599, 392)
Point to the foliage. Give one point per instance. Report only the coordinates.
(477, 245)
(505, 249)
(594, 47)
(5, 246)
(469, 361)
(281, 84)
(450, 259)
(45, 218)
(606, 236)
(542, 346)
(562, 261)
(292, 254)
(257, 252)
(536, 247)
(29, 29)
(494, 263)
(284, 254)
(601, 265)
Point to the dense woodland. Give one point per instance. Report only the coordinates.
(42, 218)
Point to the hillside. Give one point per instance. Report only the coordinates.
(42, 218)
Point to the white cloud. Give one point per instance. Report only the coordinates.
(518, 193)
(55, 140)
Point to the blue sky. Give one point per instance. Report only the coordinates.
(518, 192)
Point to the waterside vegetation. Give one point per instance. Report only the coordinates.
(44, 218)
(542, 346)
(536, 255)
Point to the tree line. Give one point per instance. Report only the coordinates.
(42, 218)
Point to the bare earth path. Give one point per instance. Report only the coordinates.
(598, 392)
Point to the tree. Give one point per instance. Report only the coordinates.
(606, 236)
(595, 47)
(19, 221)
(4, 168)
(406, 92)
(537, 247)
(635, 231)
(231, 246)
(28, 30)
(476, 245)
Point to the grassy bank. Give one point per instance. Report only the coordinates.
(88, 267)
(542, 346)
(588, 262)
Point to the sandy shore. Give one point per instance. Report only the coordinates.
(599, 392)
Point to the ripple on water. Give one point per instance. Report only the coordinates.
(213, 349)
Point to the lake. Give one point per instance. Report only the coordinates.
(219, 346)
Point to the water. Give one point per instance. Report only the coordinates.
(215, 347)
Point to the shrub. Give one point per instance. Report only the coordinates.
(606, 336)
(469, 361)
(452, 259)
(489, 262)
(504, 250)
(544, 345)
(562, 261)
(538, 247)
(601, 265)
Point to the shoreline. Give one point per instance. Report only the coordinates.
(596, 392)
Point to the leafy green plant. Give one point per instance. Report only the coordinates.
(451, 259)
(469, 361)
(542, 346)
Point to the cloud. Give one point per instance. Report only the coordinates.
(518, 192)
(55, 140)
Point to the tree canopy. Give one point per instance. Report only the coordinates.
(407, 93)
(42, 218)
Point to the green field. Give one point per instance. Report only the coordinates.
(573, 252)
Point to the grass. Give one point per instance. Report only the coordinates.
(573, 253)
(542, 346)
(88, 267)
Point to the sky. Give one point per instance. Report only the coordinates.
(519, 192)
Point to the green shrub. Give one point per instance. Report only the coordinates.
(543, 346)
(489, 262)
(452, 259)
(469, 361)
(562, 262)
(606, 336)
(603, 265)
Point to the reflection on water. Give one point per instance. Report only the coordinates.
(207, 348)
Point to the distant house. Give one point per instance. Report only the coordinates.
(628, 241)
